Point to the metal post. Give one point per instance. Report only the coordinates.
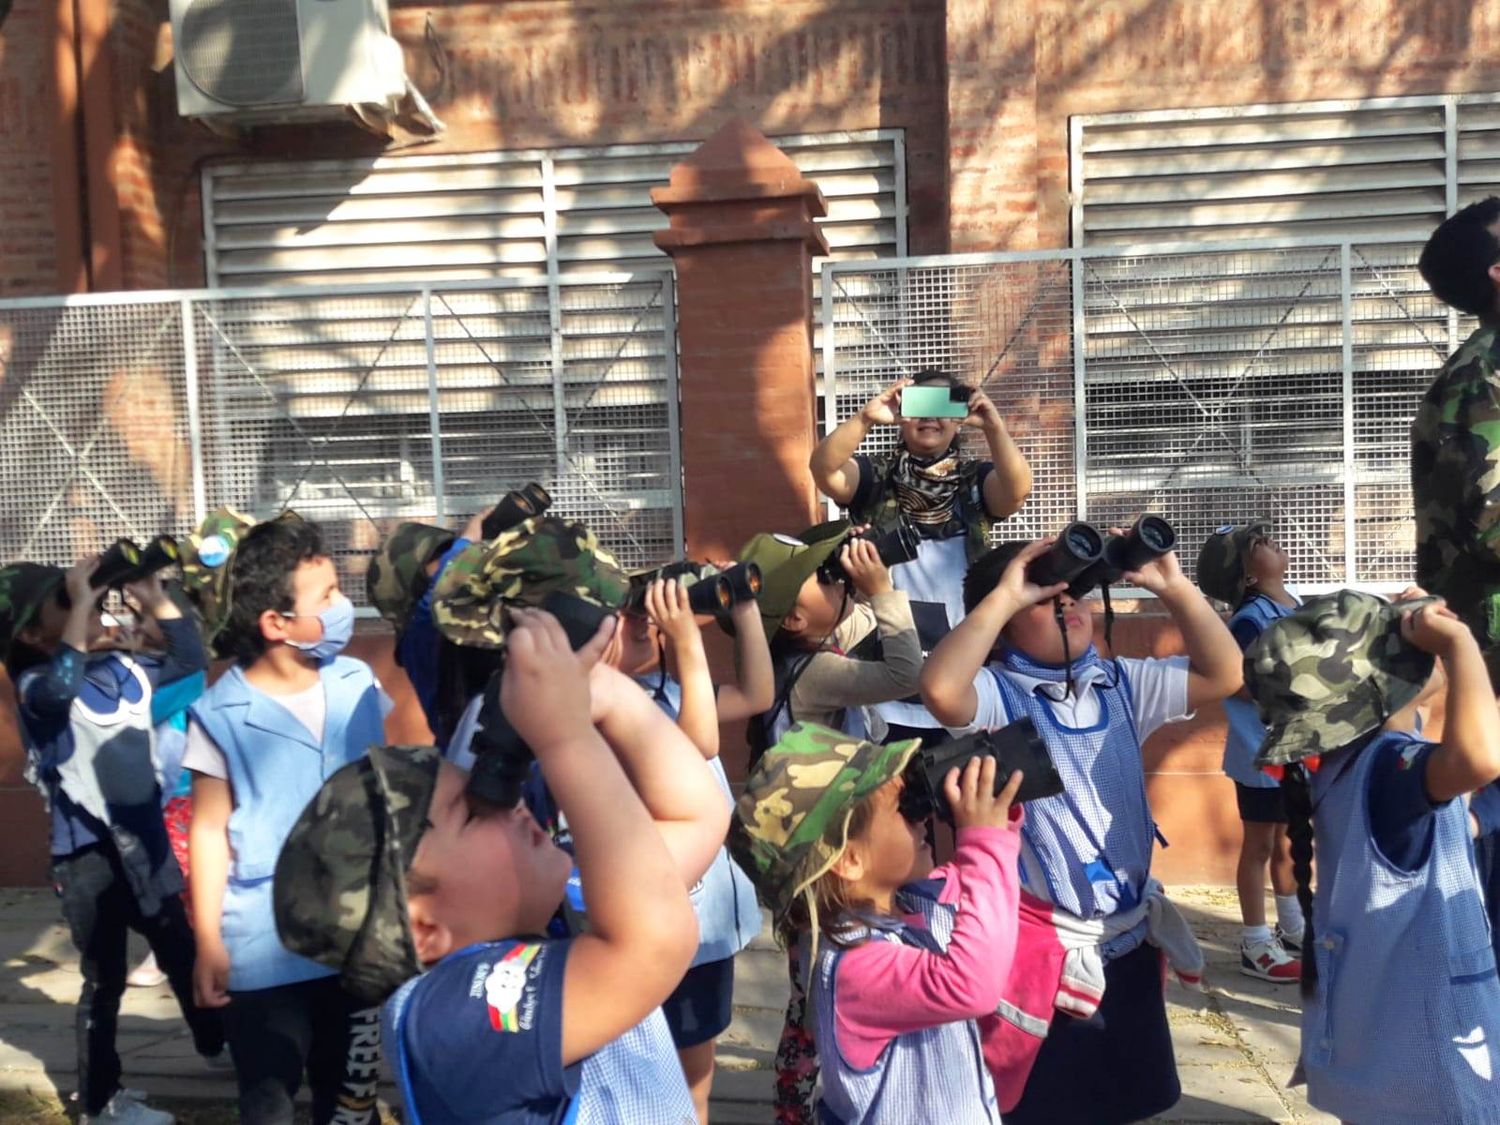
(1080, 400)
(554, 319)
(830, 364)
(434, 414)
(674, 410)
(1346, 299)
(194, 412)
(1450, 190)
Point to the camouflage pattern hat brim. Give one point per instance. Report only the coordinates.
(792, 821)
(1332, 671)
(786, 562)
(521, 567)
(397, 575)
(23, 588)
(339, 891)
(1221, 560)
(206, 556)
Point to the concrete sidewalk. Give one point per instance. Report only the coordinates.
(1236, 1044)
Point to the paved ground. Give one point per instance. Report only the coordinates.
(1235, 1044)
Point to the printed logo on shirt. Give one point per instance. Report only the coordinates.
(505, 988)
(1409, 756)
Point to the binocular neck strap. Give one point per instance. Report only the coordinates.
(1062, 629)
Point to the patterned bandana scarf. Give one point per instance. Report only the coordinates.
(927, 488)
(1014, 660)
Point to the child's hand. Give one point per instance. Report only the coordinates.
(881, 410)
(545, 689)
(972, 797)
(667, 608)
(1018, 590)
(983, 412)
(149, 594)
(1436, 629)
(211, 975)
(862, 563)
(1159, 575)
(79, 581)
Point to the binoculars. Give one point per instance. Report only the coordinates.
(515, 506)
(125, 562)
(1014, 747)
(1085, 558)
(896, 546)
(709, 589)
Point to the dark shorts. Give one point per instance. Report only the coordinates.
(1260, 806)
(699, 1008)
(1115, 1066)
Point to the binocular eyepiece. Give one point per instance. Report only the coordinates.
(896, 546)
(1016, 746)
(125, 562)
(1085, 558)
(709, 589)
(514, 507)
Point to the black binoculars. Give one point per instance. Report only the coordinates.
(1085, 558)
(1016, 746)
(896, 546)
(124, 562)
(515, 506)
(709, 589)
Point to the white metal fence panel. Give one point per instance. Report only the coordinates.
(1206, 384)
(357, 407)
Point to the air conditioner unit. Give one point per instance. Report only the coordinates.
(284, 60)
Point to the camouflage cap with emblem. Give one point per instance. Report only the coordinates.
(397, 576)
(339, 893)
(1221, 559)
(24, 587)
(1333, 670)
(792, 821)
(206, 555)
(786, 562)
(520, 567)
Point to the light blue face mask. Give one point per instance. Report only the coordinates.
(338, 626)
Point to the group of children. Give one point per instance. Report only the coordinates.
(535, 917)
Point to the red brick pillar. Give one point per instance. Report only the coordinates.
(743, 238)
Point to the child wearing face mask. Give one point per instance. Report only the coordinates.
(261, 741)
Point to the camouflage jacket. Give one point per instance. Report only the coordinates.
(1455, 484)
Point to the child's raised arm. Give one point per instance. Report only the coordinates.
(1469, 756)
(642, 930)
(948, 676)
(754, 689)
(667, 607)
(1215, 663)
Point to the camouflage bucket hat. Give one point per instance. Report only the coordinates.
(1221, 560)
(786, 562)
(792, 821)
(398, 571)
(522, 566)
(1335, 669)
(339, 893)
(206, 555)
(23, 588)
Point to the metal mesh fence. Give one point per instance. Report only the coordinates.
(1211, 384)
(356, 407)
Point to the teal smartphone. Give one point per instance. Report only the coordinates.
(935, 402)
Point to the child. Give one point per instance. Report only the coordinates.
(86, 724)
(394, 868)
(835, 654)
(260, 742)
(950, 500)
(700, 1008)
(1244, 568)
(894, 1003)
(1401, 1008)
(1086, 853)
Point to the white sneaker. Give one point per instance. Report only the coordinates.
(146, 974)
(1266, 960)
(126, 1110)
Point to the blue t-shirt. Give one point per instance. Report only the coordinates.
(1246, 732)
(1485, 805)
(417, 650)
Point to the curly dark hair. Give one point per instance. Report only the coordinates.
(262, 579)
(1456, 261)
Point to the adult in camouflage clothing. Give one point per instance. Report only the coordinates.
(1398, 899)
(951, 500)
(390, 868)
(1455, 462)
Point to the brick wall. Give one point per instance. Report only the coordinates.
(28, 246)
